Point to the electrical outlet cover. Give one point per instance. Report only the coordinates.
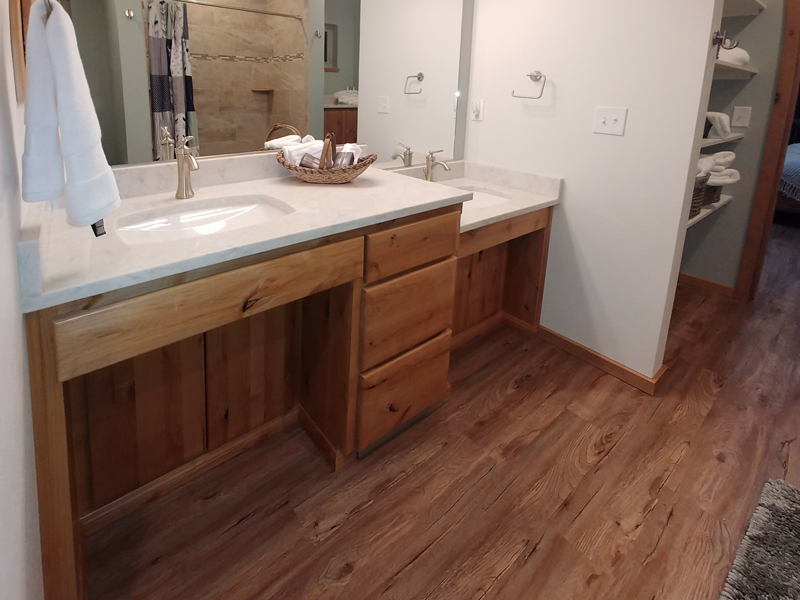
(741, 116)
(610, 120)
(383, 105)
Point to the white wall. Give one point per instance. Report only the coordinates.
(618, 235)
(20, 558)
(316, 66)
(399, 39)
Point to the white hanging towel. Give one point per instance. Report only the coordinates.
(91, 190)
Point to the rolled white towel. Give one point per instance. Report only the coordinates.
(282, 142)
(91, 188)
(727, 177)
(294, 154)
(704, 166)
(737, 56)
(42, 164)
(342, 93)
(724, 159)
(721, 125)
(354, 148)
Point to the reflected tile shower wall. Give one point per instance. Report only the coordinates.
(235, 53)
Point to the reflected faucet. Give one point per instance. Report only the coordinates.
(186, 164)
(431, 163)
(407, 156)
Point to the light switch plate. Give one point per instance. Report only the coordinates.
(383, 105)
(741, 116)
(477, 110)
(610, 120)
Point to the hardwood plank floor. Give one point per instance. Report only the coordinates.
(541, 477)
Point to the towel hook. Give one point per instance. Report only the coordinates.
(535, 76)
(419, 77)
(721, 41)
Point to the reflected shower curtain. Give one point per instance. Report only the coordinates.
(171, 91)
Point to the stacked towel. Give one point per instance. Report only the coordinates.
(720, 125)
(737, 56)
(726, 177)
(349, 97)
(289, 140)
(705, 165)
(294, 154)
(59, 102)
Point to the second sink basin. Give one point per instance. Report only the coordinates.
(187, 219)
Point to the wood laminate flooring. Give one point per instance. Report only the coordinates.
(541, 477)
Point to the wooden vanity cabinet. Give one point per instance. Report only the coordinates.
(406, 317)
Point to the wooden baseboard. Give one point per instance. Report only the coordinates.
(705, 284)
(121, 507)
(335, 458)
(476, 330)
(520, 325)
(649, 385)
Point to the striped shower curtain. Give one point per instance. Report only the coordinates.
(171, 91)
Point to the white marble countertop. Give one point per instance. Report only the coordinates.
(60, 264)
(498, 194)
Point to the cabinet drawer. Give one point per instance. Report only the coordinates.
(401, 313)
(403, 248)
(402, 388)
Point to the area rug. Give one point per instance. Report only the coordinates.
(767, 564)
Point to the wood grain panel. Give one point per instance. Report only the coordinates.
(527, 262)
(403, 248)
(249, 373)
(63, 556)
(344, 123)
(143, 417)
(330, 369)
(402, 388)
(403, 312)
(479, 287)
(138, 325)
(497, 233)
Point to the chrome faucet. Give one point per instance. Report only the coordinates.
(431, 163)
(407, 156)
(186, 164)
(167, 145)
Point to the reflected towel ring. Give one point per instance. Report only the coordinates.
(535, 76)
(419, 77)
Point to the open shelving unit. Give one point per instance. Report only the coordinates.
(731, 138)
(742, 8)
(728, 71)
(707, 210)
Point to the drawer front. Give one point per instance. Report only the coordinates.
(403, 248)
(144, 323)
(402, 388)
(401, 313)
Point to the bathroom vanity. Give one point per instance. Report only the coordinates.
(162, 350)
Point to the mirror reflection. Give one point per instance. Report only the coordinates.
(225, 72)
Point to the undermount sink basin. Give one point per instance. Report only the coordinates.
(188, 219)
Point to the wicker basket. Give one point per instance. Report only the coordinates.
(712, 194)
(327, 174)
(698, 195)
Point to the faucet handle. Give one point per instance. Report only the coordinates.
(182, 145)
(167, 137)
(432, 152)
(404, 146)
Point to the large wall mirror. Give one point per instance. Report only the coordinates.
(225, 71)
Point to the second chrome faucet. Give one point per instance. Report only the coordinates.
(186, 164)
(431, 163)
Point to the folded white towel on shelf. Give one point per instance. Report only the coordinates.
(282, 142)
(42, 164)
(737, 56)
(724, 159)
(721, 125)
(294, 154)
(349, 97)
(704, 165)
(727, 177)
(90, 190)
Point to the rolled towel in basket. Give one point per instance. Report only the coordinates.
(277, 144)
(705, 165)
(727, 177)
(736, 56)
(294, 154)
(720, 125)
(724, 159)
